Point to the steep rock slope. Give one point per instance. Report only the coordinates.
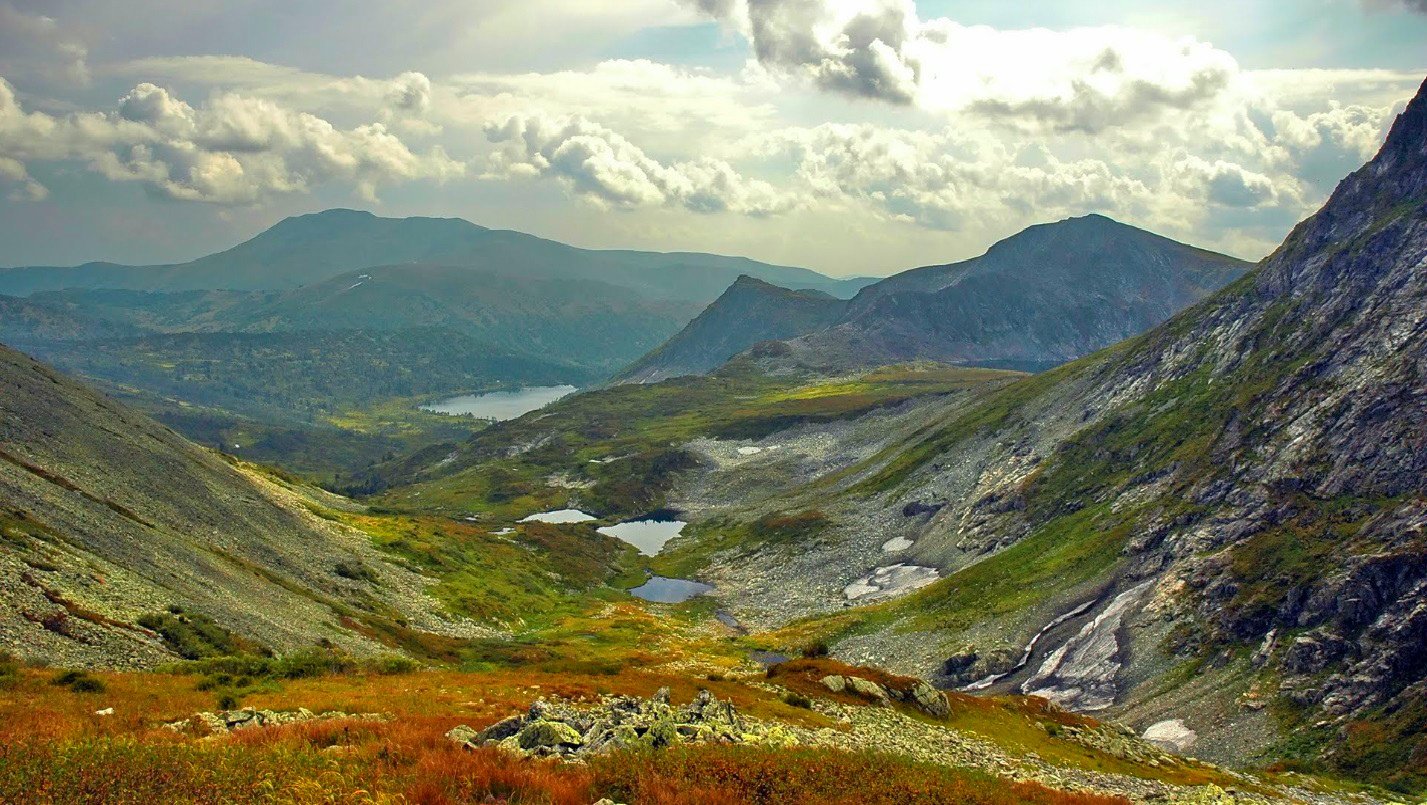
(1224, 520)
(310, 248)
(108, 517)
(749, 312)
(1047, 295)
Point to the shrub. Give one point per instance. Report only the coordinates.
(356, 571)
(78, 681)
(797, 700)
(194, 636)
(816, 650)
(394, 665)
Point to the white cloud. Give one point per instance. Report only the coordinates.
(1226, 184)
(36, 48)
(231, 150)
(602, 166)
(950, 180)
(1086, 79)
(670, 106)
(410, 92)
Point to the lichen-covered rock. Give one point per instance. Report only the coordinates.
(866, 688)
(618, 722)
(834, 683)
(464, 735)
(930, 700)
(547, 735)
(248, 718)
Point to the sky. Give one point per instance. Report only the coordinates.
(855, 137)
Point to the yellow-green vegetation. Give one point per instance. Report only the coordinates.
(536, 570)
(330, 449)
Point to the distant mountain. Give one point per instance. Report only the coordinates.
(109, 519)
(578, 322)
(311, 248)
(298, 376)
(1047, 295)
(749, 312)
(29, 320)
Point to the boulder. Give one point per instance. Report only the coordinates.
(930, 700)
(866, 688)
(501, 730)
(548, 734)
(464, 736)
(834, 683)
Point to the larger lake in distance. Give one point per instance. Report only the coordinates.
(501, 405)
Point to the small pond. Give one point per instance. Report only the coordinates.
(670, 591)
(648, 536)
(501, 405)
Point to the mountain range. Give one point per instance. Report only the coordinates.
(1045, 296)
(308, 249)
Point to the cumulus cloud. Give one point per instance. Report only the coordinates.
(35, 47)
(948, 180)
(1226, 184)
(1086, 79)
(410, 92)
(671, 107)
(602, 166)
(231, 150)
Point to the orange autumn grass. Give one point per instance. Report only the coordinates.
(54, 748)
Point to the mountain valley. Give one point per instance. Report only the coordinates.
(1096, 517)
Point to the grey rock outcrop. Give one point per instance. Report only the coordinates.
(620, 722)
(226, 721)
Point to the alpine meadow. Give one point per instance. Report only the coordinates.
(713, 402)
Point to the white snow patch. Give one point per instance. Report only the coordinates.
(890, 581)
(896, 544)
(1172, 736)
(560, 516)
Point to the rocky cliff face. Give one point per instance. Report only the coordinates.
(1226, 512)
(749, 312)
(1048, 295)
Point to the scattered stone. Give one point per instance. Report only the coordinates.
(618, 722)
(233, 720)
(108, 711)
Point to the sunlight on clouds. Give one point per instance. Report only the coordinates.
(231, 150)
